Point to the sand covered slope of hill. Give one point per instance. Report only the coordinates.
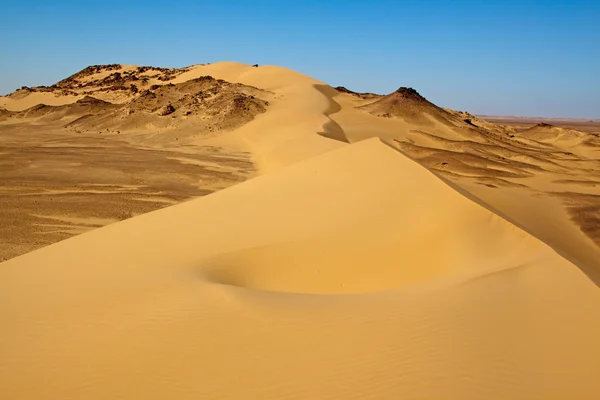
(204, 103)
(114, 83)
(407, 104)
(545, 179)
(409, 255)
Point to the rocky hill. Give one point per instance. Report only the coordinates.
(125, 98)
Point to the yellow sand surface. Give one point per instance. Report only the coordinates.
(35, 99)
(346, 270)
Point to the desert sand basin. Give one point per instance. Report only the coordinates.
(345, 271)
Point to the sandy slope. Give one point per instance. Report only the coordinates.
(35, 99)
(345, 271)
(544, 179)
(285, 134)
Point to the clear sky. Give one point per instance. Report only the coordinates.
(533, 58)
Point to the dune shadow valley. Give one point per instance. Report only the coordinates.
(234, 231)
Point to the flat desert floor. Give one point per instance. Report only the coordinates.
(54, 184)
(521, 123)
(353, 246)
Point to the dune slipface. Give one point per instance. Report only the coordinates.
(344, 271)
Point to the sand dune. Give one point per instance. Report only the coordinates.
(520, 177)
(347, 270)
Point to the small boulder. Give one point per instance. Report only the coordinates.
(168, 109)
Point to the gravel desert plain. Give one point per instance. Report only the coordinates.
(233, 231)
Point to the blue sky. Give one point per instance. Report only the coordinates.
(533, 58)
